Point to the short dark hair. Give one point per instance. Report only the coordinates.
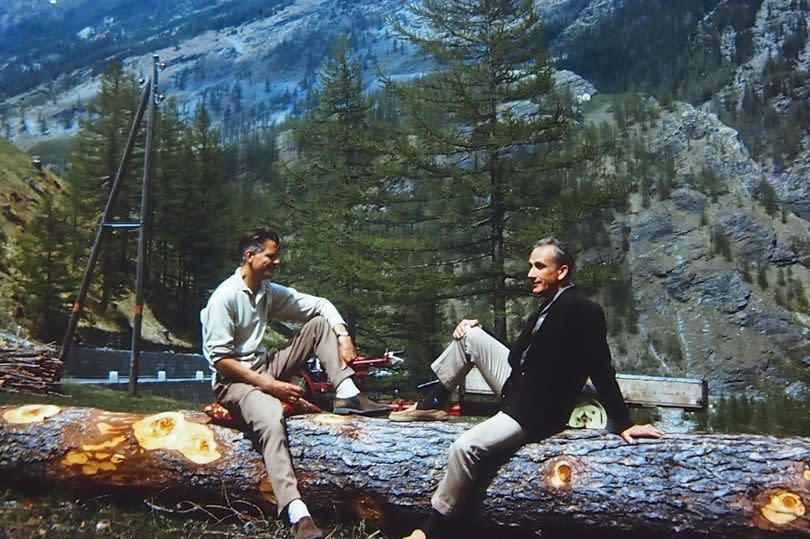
(563, 255)
(253, 240)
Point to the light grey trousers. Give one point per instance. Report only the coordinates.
(264, 414)
(476, 453)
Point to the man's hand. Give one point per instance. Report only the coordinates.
(283, 391)
(462, 327)
(346, 349)
(630, 434)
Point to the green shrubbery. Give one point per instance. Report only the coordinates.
(776, 413)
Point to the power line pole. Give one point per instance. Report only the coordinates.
(150, 98)
(143, 232)
(95, 251)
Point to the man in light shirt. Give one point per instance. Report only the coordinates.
(253, 382)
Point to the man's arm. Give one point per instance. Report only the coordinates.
(603, 376)
(232, 369)
(290, 304)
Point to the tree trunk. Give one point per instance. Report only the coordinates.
(579, 481)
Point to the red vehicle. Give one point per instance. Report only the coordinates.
(319, 390)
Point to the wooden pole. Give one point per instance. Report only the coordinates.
(143, 231)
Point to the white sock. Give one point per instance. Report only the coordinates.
(346, 389)
(297, 510)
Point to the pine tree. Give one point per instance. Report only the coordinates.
(340, 217)
(204, 232)
(93, 165)
(42, 272)
(486, 135)
(168, 195)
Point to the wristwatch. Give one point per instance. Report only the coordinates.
(343, 334)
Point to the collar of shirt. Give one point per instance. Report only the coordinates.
(544, 312)
(245, 288)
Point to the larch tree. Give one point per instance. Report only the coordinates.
(93, 165)
(487, 136)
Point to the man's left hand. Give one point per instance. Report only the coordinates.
(634, 432)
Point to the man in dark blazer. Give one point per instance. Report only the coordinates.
(537, 381)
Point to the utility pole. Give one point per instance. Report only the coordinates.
(149, 99)
(143, 232)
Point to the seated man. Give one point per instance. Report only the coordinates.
(537, 383)
(253, 382)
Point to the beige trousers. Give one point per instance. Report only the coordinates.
(475, 456)
(263, 413)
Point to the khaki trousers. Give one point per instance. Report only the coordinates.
(475, 456)
(263, 413)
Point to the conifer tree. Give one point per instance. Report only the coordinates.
(42, 273)
(339, 219)
(487, 137)
(94, 162)
(204, 226)
(168, 195)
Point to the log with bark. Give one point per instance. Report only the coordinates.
(722, 486)
(30, 369)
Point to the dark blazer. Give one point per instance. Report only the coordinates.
(569, 347)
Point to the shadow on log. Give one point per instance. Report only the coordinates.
(577, 481)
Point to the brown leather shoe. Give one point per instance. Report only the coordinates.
(412, 413)
(306, 529)
(359, 405)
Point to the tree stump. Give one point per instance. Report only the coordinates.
(723, 486)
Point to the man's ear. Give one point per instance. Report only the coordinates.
(562, 273)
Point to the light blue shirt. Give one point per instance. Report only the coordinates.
(235, 319)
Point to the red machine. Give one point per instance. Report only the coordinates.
(317, 383)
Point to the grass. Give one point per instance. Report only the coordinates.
(24, 515)
(99, 397)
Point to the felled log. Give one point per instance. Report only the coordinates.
(722, 486)
(30, 369)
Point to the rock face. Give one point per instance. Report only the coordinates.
(702, 313)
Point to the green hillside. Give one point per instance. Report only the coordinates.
(22, 186)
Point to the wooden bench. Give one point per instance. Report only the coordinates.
(638, 390)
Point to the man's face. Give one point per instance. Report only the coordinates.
(265, 261)
(545, 275)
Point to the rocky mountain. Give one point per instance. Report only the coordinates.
(701, 312)
(720, 286)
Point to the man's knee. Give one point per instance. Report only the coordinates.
(262, 412)
(465, 447)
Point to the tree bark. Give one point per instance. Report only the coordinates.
(579, 481)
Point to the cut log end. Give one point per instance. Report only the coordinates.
(170, 430)
(30, 413)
